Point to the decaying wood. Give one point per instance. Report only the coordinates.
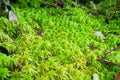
(108, 62)
(117, 76)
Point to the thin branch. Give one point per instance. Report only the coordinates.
(107, 61)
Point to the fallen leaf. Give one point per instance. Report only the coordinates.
(98, 33)
(12, 17)
(39, 32)
(95, 76)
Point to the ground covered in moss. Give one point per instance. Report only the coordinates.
(56, 44)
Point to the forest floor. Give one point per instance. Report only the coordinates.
(56, 44)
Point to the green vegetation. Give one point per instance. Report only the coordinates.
(56, 44)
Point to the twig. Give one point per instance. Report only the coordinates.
(107, 61)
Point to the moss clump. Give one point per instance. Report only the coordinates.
(62, 51)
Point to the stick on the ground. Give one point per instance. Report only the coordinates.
(107, 61)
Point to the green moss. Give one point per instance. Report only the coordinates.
(63, 50)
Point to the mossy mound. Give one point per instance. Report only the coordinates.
(53, 44)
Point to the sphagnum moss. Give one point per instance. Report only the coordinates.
(62, 52)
